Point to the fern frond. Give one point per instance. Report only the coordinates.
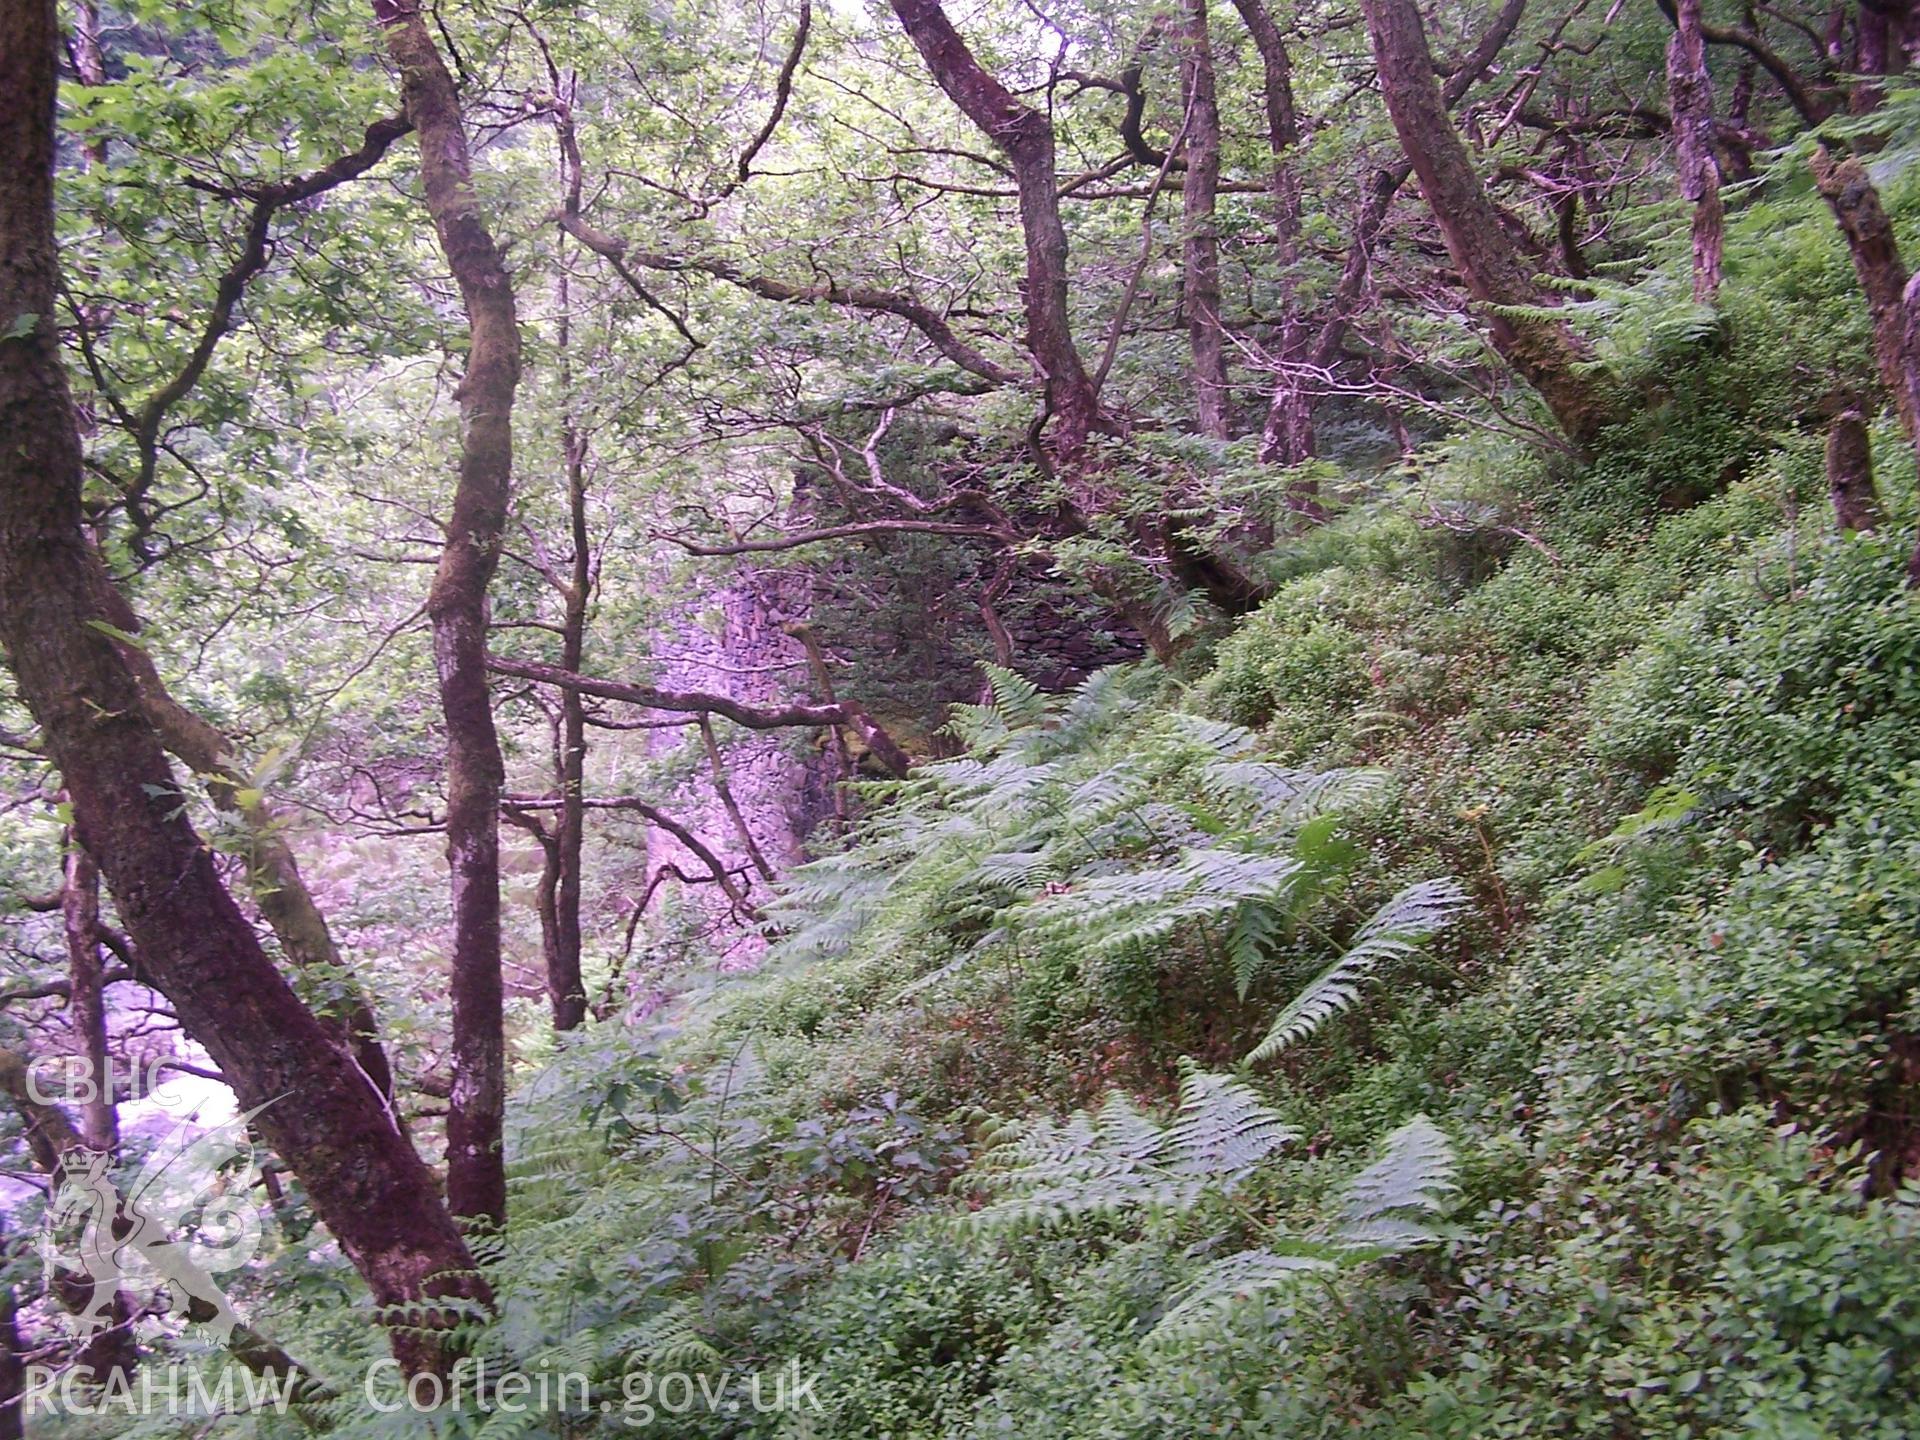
(669, 1340)
(1394, 931)
(1121, 1159)
(1109, 913)
(1017, 699)
(1221, 737)
(1016, 870)
(1100, 702)
(1285, 798)
(1249, 941)
(1232, 1279)
(1416, 1174)
(1222, 1131)
(1389, 1236)
(510, 1422)
(1094, 800)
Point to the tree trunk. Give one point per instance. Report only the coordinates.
(546, 901)
(1025, 137)
(1545, 353)
(1356, 270)
(89, 64)
(1200, 244)
(1856, 503)
(1881, 50)
(1690, 92)
(457, 607)
(565, 989)
(558, 896)
(273, 873)
(1893, 301)
(1855, 203)
(1287, 437)
(86, 1001)
(320, 1113)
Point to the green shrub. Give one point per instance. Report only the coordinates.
(1730, 1288)
(909, 1339)
(1795, 688)
(1790, 987)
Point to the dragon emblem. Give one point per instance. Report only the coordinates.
(185, 1218)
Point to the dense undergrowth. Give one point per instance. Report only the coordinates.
(1671, 1045)
(1545, 855)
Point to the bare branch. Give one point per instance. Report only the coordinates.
(840, 532)
(854, 297)
(753, 717)
(59, 989)
(694, 844)
(267, 200)
(782, 91)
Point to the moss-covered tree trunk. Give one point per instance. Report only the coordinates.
(1200, 238)
(1025, 137)
(1850, 485)
(457, 607)
(1893, 300)
(334, 1129)
(1544, 351)
(566, 990)
(1287, 437)
(1690, 93)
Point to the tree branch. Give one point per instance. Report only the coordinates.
(1811, 108)
(840, 532)
(782, 91)
(693, 702)
(855, 297)
(694, 844)
(60, 989)
(267, 199)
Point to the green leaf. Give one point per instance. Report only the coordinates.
(1608, 881)
(116, 633)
